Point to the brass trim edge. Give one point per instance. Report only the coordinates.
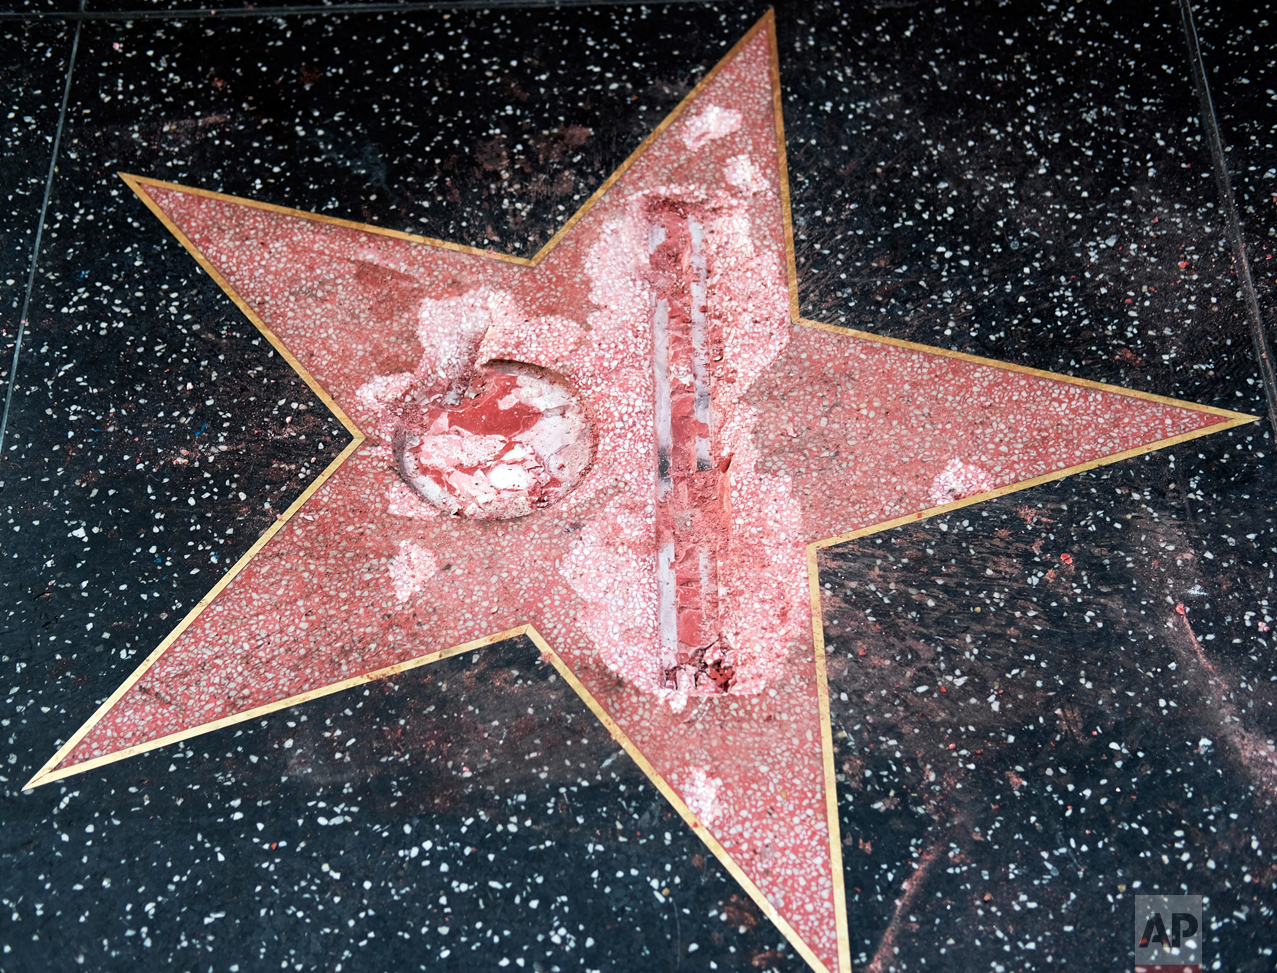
(782, 164)
(279, 704)
(1019, 485)
(682, 808)
(768, 19)
(832, 823)
(697, 826)
(827, 761)
(1239, 417)
(44, 774)
(765, 21)
(135, 181)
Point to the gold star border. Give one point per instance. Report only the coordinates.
(48, 773)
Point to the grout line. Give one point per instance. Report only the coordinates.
(39, 234)
(312, 10)
(1241, 264)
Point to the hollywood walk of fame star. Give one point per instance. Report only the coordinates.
(628, 447)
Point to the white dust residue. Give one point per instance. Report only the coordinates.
(611, 568)
(379, 394)
(713, 123)
(450, 332)
(700, 791)
(959, 480)
(740, 171)
(402, 502)
(411, 568)
(763, 575)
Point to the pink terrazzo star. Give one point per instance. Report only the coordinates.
(627, 444)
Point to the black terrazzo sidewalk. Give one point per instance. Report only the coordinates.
(1029, 182)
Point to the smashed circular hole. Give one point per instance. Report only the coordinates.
(516, 439)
